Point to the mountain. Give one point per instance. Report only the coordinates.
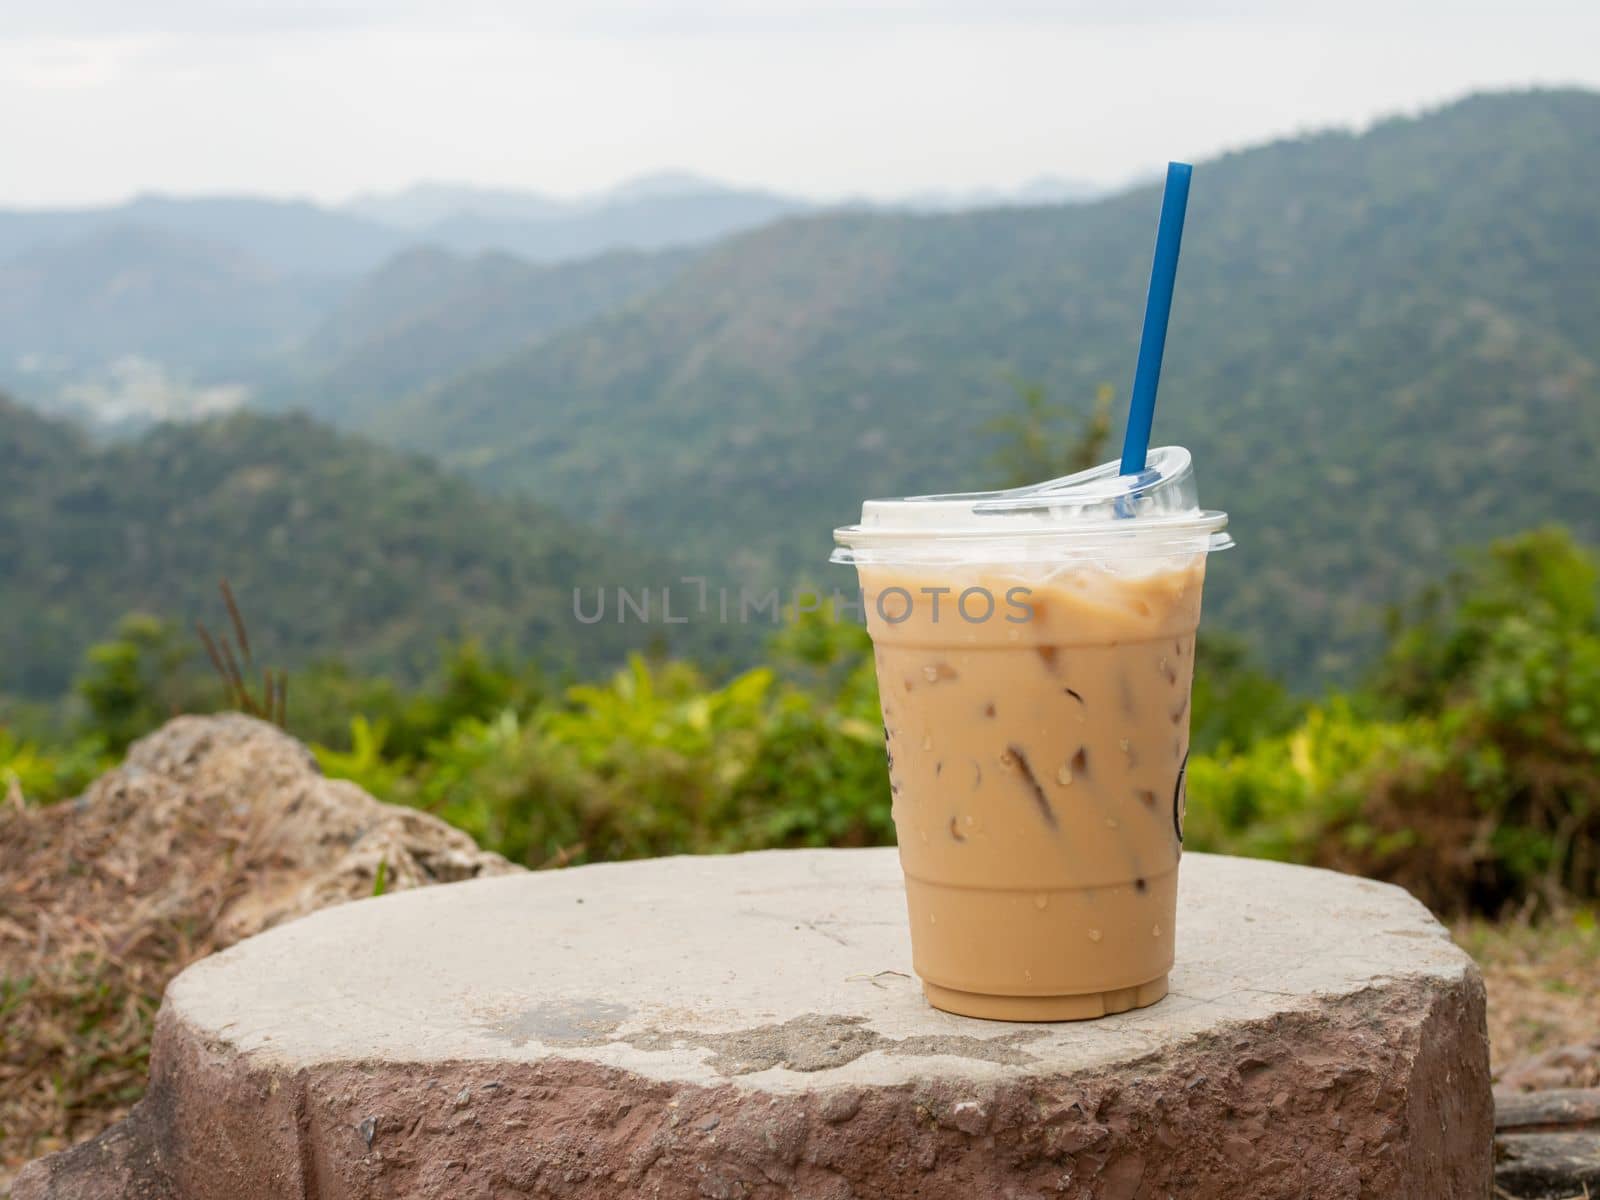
(428, 313)
(656, 184)
(651, 220)
(423, 204)
(133, 290)
(287, 236)
(334, 546)
(171, 306)
(298, 237)
(127, 325)
(166, 306)
(668, 208)
(426, 204)
(1383, 347)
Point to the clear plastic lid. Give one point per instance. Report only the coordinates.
(1098, 513)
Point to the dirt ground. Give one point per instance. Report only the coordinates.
(1544, 986)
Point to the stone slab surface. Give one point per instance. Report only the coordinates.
(748, 1026)
(1547, 1144)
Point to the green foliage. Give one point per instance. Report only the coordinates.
(1382, 350)
(1487, 612)
(1038, 443)
(427, 314)
(654, 760)
(44, 774)
(1469, 770)
(336, 548)
(470, 683)
(363, 760)
(1282, 796)
(1235, 701)
(136, 680)
(1476, 780)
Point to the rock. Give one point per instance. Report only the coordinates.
(300, 840)
(1547, 1112)
(1547, 1145)
(213, 829)
(1547, 1166)
(747, 1026)
(1572, 1066)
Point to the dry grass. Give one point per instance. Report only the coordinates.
(1542, 979)
(215, 828)
(90, 931)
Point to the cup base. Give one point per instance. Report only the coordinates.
(1084, 1007)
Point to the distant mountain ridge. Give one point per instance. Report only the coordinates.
(301, 237)
(297, 238)
(284, 236)
(426, 204)
(197, 297)
(1383, 347)
(130, 289)
(428, 314)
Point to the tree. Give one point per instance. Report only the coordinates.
(1542, 582)
(135, 681)
(1042, 442)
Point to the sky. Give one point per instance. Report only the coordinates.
(103, 99)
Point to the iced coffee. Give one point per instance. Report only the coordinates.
(1034, 654)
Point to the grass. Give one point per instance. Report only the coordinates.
(99, 908)
(1542, 978)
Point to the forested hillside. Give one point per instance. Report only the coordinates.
(1383, 347)
(428, 314)
(135, 291)
(335, 547)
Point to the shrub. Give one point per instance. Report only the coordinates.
(1478, 785)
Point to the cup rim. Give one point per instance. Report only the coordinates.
(1182, 534)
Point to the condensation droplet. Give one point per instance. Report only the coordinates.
(1155, 931)
(1111, 822)
(927, 743)
(1013, 634)
(1064, 775)
(932, 674)
(1041, 901)
(1094, 935)
(1027, 974)
(1124, 744)
(932, 920)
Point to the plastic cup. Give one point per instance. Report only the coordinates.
(1035, 650)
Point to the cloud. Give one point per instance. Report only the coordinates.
(111, 18)
(102, 100)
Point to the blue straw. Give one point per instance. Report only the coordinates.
(1157, 308)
